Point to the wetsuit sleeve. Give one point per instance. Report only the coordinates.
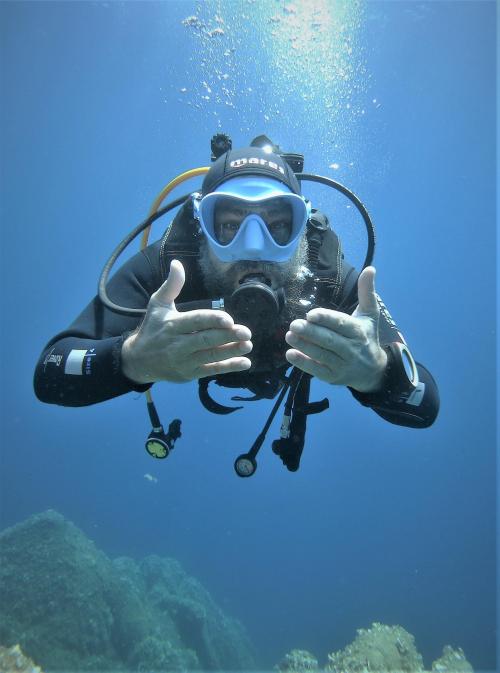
(82, 364)
(417, 410)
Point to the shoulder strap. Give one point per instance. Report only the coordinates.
(325, 259)
(181, 241)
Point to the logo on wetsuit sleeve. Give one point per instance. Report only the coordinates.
(79, 362)
(52, 359)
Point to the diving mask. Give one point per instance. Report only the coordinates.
(252, 218)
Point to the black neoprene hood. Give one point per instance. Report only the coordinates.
(249, 161)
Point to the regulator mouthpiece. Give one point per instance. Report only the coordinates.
(256, 305)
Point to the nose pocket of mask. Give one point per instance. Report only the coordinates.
(254, 233)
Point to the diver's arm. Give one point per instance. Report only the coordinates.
(419, 411)
(397, 401)
(76, 372)
(82, 365)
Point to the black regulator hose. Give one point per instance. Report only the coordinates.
(103, 279)
(370, 229)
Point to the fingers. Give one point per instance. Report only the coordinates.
(225, 352)
(223, 367)
(198, 320)
(171, 288)
(314, 351)
(210, 338)
(368, 304)
(309, 366)
(211, 351)
(220, 360)
(336, 321)
(303, 332)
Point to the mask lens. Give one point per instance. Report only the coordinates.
(229, 213)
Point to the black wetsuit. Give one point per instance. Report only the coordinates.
(81, 365)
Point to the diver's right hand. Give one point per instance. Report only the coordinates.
(174, 346)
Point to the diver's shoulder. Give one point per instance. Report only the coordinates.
(153, 249)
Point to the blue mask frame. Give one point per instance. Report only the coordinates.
(253, 241)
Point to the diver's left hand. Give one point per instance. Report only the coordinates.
(339, 348)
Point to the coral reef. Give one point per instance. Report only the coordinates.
(298, 661)
(69, 606)
(12, 660)
(452, 661)
(391, 649)
(380, 648)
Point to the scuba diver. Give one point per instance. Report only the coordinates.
(248, 288)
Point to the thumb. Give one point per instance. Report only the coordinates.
(171, 288)
(368, 304)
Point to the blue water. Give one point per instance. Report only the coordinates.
(395, 99)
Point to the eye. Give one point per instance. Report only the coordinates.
(226, 229)
(280, 230)
(276, 226)
(230, 226)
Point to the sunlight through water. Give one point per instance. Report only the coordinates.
(280, 65)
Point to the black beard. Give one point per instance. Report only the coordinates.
(222, 278)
